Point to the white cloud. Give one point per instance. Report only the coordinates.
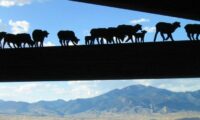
(27, 88)
(19, 26)
(137, 21)
(83, 89)
(10, 3)
(150, 29)
(177, 85)
(48, 43)
(6, 3)
(36, 91)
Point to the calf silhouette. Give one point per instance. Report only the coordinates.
(2, 35)
(39, 36)
(192, 30)
(139, 37)
(128, 30)
(166, 28)
(66, 36)
(89, 40)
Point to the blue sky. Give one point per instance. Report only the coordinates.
(18, 16)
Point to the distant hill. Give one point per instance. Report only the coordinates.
(132, 99)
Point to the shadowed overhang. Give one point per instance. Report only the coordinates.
(178, 8)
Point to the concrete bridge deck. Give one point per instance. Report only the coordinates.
(179, 59)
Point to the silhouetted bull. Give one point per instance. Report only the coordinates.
(192, 30)
(166, 28)
(18, 40)
(11, 39)
(99, 34)
(39, 36)
(129, 31)
(66, 36)
(23, 39)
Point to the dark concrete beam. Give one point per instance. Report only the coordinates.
(178, 8)
(126, 61)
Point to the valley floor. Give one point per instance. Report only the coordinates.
(111, 116)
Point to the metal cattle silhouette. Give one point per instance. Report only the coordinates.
(139, 37)
(17, 40)
(192, 30)
(113, 35)
(166, 28)
(129, 30)
(39, 36)
(65, 36)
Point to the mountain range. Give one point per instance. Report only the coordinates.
(132, 99)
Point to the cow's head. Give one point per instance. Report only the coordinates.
(2, 34)
(75, 41)
(138, 27)
(45, 33)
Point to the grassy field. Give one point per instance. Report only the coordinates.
(109, 116)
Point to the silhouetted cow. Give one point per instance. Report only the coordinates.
(11, 38)
(39, 36)
(112, 35)
(99, 34)
(89, 40)
(192, 30)
(166, 28)
(2, 35)
(66, 36)
(128, 30)
(23, 39)
(139, 37)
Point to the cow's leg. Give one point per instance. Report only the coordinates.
(98, 42)
(102, 40)
(14, 44)
(4, 42)
(197, 37)
(67, 42)
(60, 41)
(189, 35)
(128, 39)
(163, 37)
(86, 42)
(132, 40)
(42, 44)
(36, 44)
(193, 36)
(136, 40)
(117, 40)
(171, 37)
(142, 40)
(155, 36)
